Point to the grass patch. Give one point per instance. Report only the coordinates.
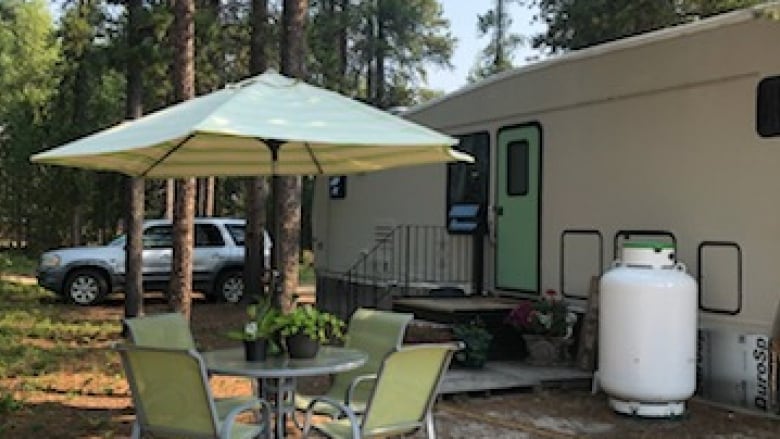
(9, 404)
(17, 263)
(38, 336)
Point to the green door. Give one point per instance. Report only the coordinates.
(517, 208)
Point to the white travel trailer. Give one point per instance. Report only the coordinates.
(671, 135)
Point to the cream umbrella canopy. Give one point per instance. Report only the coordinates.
(266, 125)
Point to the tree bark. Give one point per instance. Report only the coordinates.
(205, 197)
(254, 260)
(499, 37)
(170, 190)
(258, 60)
(184, 206)
(256, 187)
(379, 44)
(342, 43)
(134, 292)
(211, 184)
(288, 193)
(75, 226)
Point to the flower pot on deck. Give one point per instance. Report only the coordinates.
(546, 350)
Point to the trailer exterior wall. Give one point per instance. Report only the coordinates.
(654, 132)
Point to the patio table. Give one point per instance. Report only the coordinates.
(278, 374)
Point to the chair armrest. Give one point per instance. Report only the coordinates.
(250, 405)
(353, 419)
(353, 385)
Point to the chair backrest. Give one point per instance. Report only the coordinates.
(376, 333)
(406, 388)
(170, 391)
(169, 330)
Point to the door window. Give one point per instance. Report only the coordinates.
(467, 183)
(158, 237)
(208, 235)
(517, 168)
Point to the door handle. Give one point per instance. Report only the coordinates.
(499, 210)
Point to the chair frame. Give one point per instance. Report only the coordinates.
(403, 319)
(356, 422)
(222, 427)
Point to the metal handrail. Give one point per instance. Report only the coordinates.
(411, 255)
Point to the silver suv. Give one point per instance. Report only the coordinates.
(85, 275)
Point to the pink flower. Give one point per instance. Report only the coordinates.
(547, 316)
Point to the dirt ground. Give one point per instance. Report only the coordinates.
(96, 404)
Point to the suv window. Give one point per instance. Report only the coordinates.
(237, 232)
(208, 235)
(158, 237)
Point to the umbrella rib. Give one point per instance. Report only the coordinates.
(167, 154)
(313, 157)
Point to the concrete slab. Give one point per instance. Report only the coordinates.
(502, 375)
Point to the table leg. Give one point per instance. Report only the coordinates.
(280, 393)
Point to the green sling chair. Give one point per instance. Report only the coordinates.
(374, 332)
(402, 399)
(171, 331)
(168, 330)
(172, 397)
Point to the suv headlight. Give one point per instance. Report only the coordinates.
(50, 260)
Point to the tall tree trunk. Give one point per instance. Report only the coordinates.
(369, 59)
(288, 193)
(75, 226)
(379, 44)
(342, 44)
(205, 196)
(256, 187)
(254, 260)
(170, 190)
(499, 37)
(211, 185)
(80, 98)
(134, 292)
(184, 206)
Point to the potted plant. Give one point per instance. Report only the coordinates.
(305, 328)
(477, 340)
(260, 332)
(546, 326)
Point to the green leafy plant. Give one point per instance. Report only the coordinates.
(317, 325)
(477, 339)
(263, 322)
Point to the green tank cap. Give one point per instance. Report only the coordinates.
(655, 245)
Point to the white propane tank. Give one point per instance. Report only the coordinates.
(647, 331)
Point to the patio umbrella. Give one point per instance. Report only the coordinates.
(266, 125)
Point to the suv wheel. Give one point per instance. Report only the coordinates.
(86, 287)
(230, 286)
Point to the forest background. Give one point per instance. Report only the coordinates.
(63, 78)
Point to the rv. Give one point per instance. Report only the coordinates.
(673, 135)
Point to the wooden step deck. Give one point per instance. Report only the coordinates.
(503, 375)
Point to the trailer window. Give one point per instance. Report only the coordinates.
(468, 182)
(720, 277)
(517, 174)
(768, 107)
